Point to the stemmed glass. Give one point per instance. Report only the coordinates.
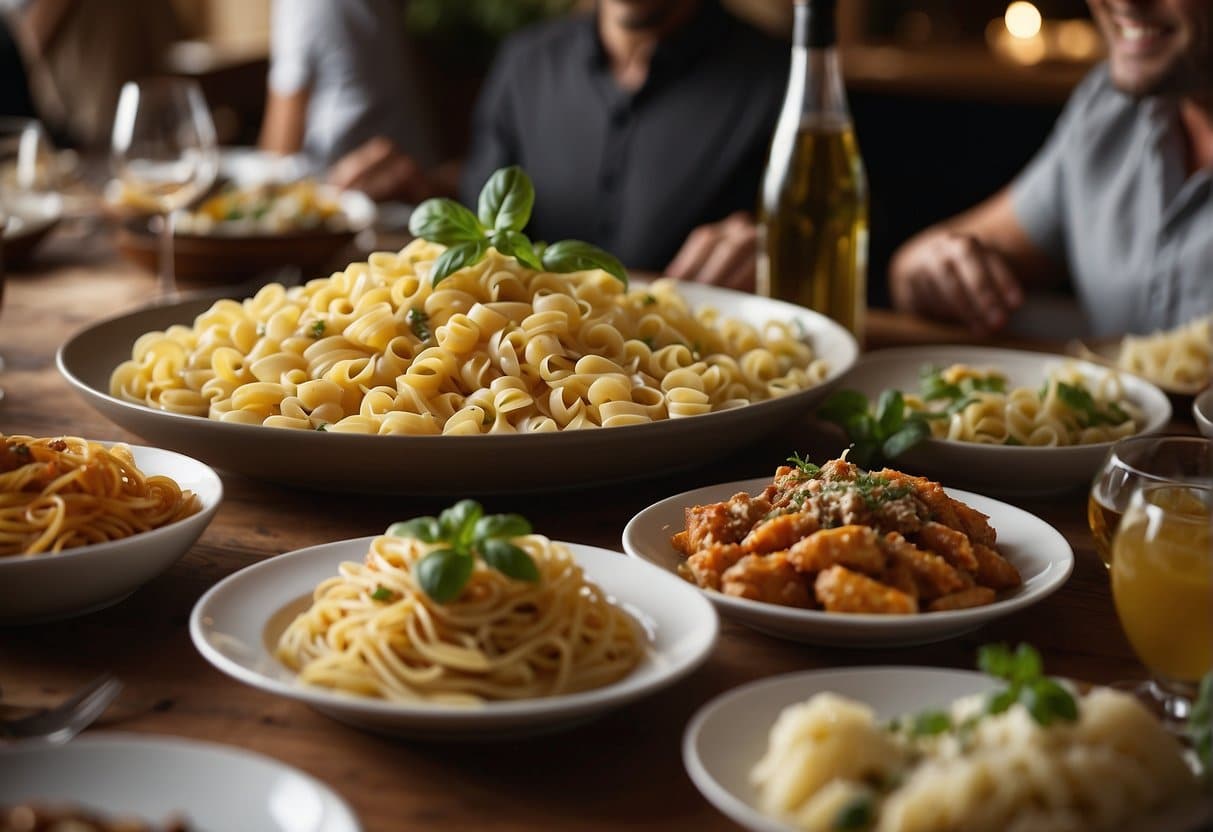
(164, 153)
(1137, 461)
(1162, 584)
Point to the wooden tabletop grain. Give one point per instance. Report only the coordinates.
(624, 769)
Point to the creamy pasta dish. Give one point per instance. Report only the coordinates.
(830, 765)
(1181, 359)
(969, 404)
(268, 208)
(494, 348)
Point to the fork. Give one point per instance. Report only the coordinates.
(59, 724)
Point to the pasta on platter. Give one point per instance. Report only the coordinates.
(1180, 358)
(373, 631)
(494, 348)
(61, 493)
(830, 765)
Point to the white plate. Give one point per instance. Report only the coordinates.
(443, 464)
(728, 735)
(1202, 412)
(999, 469)
(215, 788)
(1040, 553)
(86, 578)
(229, 627)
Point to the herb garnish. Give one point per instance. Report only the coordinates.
(317, 329)
(805, 467)
(649, 300)
(503, 211)
(419, 322)
(1046, 700)
(875, 437)
(469, 534)
(1200, 725)
(1089, 413)
(382, 593)
(930, 723)
(857, 814)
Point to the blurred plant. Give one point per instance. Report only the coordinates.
(472, 29)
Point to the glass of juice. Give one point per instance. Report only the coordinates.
(1137, 461)
(1162, 584)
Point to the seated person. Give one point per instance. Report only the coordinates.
(645, 128)
(1121, 195)
(339, 78)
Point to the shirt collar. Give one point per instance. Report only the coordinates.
(690, 40)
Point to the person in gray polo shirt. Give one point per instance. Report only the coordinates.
(1120, 196)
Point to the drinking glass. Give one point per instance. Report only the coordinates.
(1134, 462)
(164, 153)
(1162, 584)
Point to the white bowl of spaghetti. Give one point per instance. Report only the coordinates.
(640, 630)
(83, 524)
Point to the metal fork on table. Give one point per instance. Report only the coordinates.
(62, 722)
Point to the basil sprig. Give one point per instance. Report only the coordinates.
(503, 210)
(879, 436)
(1046, 700)
(468, 533)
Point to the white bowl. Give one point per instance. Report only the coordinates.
(1000, 469)
(728, 735)
(1040, 553)
(214, 787)
(231, 626)
(452, 465)
(87, 578)
(1202, 412)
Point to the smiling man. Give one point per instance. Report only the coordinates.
(1121, 195)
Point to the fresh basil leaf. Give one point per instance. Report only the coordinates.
(515, 244)
(861, 427)
(382, 594)
(1050, 702)
(509, 560)
(458, 257)
(506, 200)
(458, 521)
(1028, 665)
(443, 573)
(842, 405)
(988, 384)
(930, 723)
(865, 453)
(501, 525)
(891, 411)
(996, 660)
(419, 322)
(959, 404)
(856, 814)
(933, 388)
(425, 529)
(999, 701)
(576, 256)
(914, 432)
(444, 221)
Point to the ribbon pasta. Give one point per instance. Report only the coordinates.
(1181, 359)
(494, 348)
(58, 494)
(500, 639)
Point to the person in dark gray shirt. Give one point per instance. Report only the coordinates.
(1121, 196)
(645, 128)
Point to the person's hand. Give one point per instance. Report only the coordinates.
(381, 171)
(958, 277)
(723, 253)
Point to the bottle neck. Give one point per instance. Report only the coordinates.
(816, 78)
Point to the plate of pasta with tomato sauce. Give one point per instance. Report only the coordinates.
(836, 555)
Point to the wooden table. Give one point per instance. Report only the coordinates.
(624, 769)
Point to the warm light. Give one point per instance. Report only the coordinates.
(1023, 19)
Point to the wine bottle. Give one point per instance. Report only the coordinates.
(813, 211)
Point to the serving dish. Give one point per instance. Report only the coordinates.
(213, 787)
(1106, 352)
(234, 623)
(87, 578)
(442, 464)
(1202, 412)
(1000, 469)
(728, 735)
(31, 217)
(1037, 550)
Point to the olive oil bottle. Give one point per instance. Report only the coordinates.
(813, 209)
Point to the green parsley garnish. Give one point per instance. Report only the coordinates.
(1046, 700)
(317, 329)
(649, 300)
(419, 322)
(1090, 414)
(382, 593)
(878, 436)
(468, 533)
(804, 466)
(857, 814)
(503, 210)
(322, 426)
(930, 723)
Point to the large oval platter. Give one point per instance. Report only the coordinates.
(487, 464)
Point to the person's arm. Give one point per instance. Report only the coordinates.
(972, 268)
(723, 253)
(285, 119)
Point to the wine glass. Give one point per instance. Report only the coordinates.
(164, 154)
(1133, 462)
(1162, 584)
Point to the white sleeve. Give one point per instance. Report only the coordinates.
(296, 29)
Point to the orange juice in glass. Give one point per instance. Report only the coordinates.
(1162, 583)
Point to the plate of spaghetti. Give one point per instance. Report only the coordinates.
(836, 555)
(464, 626)
(84, 523)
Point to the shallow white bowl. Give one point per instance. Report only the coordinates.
(231, 626)
(214, 787)
(999, 469)
(87, 578)
(1040, 553)
(1202, 412)
(728, 735)
(452, 464)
